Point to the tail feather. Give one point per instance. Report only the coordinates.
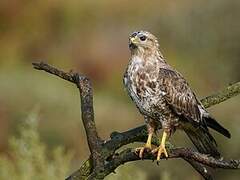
(212, 123)
(203, 140)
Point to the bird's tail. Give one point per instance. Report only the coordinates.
(203, 140)
(212, 123)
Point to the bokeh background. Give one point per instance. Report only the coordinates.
(199, 38)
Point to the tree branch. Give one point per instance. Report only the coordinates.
(200, 168)
(221, 96)
(192, 156)
(104, 159)
(86, 97)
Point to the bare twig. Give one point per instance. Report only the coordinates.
(52, 70)
(104, 159)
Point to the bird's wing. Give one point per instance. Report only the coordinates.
(179, 95)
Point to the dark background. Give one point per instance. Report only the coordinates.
(201, 39)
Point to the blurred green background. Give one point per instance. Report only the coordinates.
(199, 38)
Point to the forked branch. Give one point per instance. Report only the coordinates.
(104, 159)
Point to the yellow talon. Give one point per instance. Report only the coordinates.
(161, 149)
(148, 145)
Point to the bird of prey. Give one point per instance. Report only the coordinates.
(165, 99)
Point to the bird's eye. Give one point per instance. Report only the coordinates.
(143, 38)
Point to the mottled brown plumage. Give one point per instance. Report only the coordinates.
(164, 97)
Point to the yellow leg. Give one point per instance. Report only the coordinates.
(148, 145)
(161, 149)
(149, 141)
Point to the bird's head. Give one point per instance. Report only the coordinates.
(141, 41)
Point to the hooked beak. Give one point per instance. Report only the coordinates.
(133, 40)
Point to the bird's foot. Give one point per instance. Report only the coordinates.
(140, 150)
(160, 150)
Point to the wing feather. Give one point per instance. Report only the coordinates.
(179, 95)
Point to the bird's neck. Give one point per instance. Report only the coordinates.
(148, 55)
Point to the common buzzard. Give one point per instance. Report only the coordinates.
(165, 99)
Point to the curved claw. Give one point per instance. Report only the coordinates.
(147, 146)
(160, 150)
(140, 150)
